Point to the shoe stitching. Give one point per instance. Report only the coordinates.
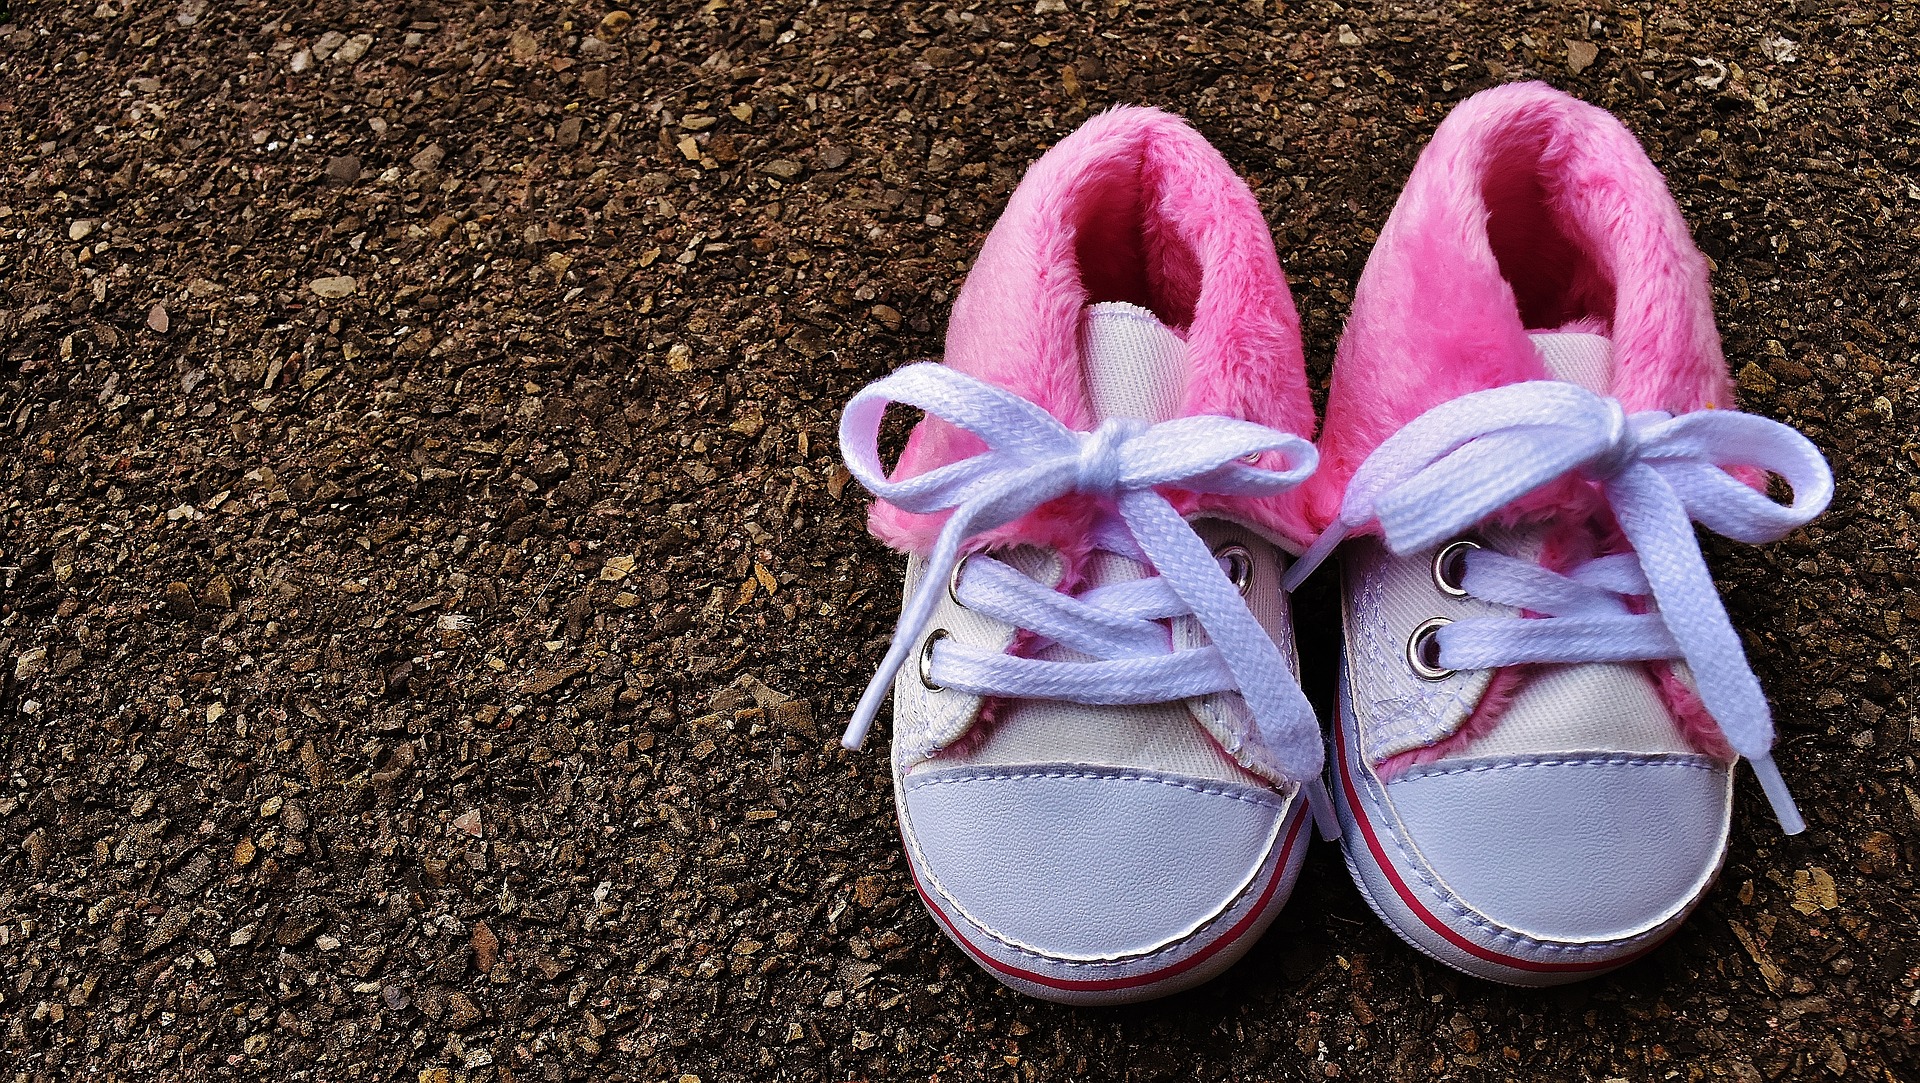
(951, 780)
(1395, 720)
(1436, 770)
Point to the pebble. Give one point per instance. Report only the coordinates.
(612, 25)
(178, 597)
(218, 593)
(1880, 854)
(461, 1012)
(343, 168)
(171, 925)
(486, 947)
(1813, 890)
(353, 49)
(335, 287)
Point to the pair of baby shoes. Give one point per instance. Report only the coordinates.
(1103, 761)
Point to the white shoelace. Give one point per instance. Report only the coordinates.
(1030, 459)
(1462, 461)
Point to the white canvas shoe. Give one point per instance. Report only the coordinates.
(1102, 758)
(1543, 698)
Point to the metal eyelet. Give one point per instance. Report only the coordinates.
(926, 659)
(1423, 651)
(953, 580)
(1239, 565)
(1449, 566)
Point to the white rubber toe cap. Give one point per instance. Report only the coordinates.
(1091, 884)
(1575, 849)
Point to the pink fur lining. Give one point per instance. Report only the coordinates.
(1529, 209)
(1691, 715)
(1134, 206)
(1493, 704)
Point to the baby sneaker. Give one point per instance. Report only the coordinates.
(1542, 697)
(1102, 759)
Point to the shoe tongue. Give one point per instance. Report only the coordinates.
(1135, 366)
(1581, 358)
(1577, 357)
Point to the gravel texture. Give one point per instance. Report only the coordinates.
(430, 592)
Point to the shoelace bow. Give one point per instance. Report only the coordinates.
(1032, 458)
(1462, 461)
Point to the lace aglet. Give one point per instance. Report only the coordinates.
(1321, 805)
(856, 734)
(1777, 795)
(1316, 554)
(864, 714)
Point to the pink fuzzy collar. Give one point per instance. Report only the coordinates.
(1530, 210)
(1134, 206)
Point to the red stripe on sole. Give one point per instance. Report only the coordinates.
(1427, 916)
(1103, 985)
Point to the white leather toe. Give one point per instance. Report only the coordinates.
(1075, 864)
(1570, 848)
